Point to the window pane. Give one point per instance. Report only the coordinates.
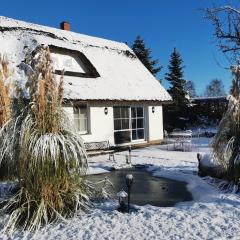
(116, 112)
(122, 137)
(83, 125)
(134, 123)
(140, 123)
(133, 112)
(140, 112)
(76, 124)
(134, 134)
(125, 124)
(124, 112)
(80, 117)
(117, 125)
(83, 109)
(75, 110)
(140, 133)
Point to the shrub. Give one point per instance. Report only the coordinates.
(45, 155)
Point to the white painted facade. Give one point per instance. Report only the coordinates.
(101, 125)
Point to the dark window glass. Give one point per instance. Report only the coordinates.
(140, 123)
(116, 111)
(133, 112)
(140, 112)
(124, 112)
(122, 137)
(140, 134)
(125, 123)
(117, 124)
(134, 123)
(134, 134)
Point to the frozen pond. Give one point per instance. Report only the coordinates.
(147, 189)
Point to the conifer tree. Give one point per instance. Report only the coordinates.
(144, 55)
(176, 80)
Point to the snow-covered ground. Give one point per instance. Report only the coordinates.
(211, 215)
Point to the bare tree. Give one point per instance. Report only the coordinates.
(226, 21)
(215, 89)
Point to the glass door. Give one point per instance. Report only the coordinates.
(137, 116)
(128, 124)
(122, 131)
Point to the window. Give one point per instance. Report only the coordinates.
(69, 63)
(80, 114)
(128, 124)
(74, 63)
(137, 123)
(122, 132)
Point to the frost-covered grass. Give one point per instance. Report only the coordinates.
(212, 214)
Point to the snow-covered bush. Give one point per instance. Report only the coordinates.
(227, 141)
(43, 152)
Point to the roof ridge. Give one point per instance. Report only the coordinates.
(15, 23)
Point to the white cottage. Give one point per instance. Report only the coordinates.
(108, 92)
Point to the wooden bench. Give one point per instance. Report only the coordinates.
(99, 147)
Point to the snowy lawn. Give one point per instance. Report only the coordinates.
(211, 215)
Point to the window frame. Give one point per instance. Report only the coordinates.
(91, 71)
(137, 128)
(78, 105)
(130, 127)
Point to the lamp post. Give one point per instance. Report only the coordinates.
(128, 157)
(129, 181)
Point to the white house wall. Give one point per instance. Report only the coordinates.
(101, 126)
(155, 128)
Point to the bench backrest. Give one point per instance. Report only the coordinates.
(101, 145)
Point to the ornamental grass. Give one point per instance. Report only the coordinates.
(5, 84)
(226, 143)
(45, 154)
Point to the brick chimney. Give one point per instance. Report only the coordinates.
(65, 26)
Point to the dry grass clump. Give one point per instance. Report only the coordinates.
(226, 142)
(5, 110)
(5, 100)
(50, 159)
(45, 92)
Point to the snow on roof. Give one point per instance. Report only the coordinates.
(122, 75)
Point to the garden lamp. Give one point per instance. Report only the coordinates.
(121, 196)
(129, 181)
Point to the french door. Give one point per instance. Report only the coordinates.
(128, 124)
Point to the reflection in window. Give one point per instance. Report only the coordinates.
(128, 124)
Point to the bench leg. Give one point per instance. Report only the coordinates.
(111, 155)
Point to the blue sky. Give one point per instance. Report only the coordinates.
(164, 24)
